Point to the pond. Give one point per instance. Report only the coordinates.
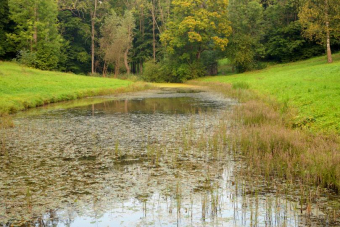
(152, 158)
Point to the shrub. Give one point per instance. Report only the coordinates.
(172, 71)
(152, 72)
(26, 58)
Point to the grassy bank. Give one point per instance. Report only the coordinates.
(22, 87)
(259, 132)
(288, 123)
(311, 88)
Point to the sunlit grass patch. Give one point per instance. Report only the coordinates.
(240, 85)
(22, 87)
(310, 87)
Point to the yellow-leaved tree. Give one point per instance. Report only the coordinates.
(196, 26)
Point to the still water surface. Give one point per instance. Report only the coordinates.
(143, 159)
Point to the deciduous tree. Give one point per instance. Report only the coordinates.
(245, 48)
(283, 39)
(116, 41)
(3, 23)
(36, 31)
(196, 26)
(321, 21)
(76, 51)
(92, 12)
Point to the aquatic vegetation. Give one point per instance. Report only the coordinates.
(141, 159)
(274, 149)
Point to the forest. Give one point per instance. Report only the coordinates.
(165, 40)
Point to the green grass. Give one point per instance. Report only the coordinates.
(311, 87)
(22, 87)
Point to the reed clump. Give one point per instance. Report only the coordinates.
(263, 132)
(6, 121)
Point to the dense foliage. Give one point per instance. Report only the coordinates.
(165, 40)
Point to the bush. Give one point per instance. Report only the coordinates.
(152, 72)
(46, 57)
(26, 58)
(172, 71)
(188, 71)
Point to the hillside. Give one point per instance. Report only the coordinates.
(311, 87)
(23, 87)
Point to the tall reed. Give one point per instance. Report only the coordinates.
(263, 131)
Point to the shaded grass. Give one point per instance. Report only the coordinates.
(311, 87)
(263, 135)
(22, 87)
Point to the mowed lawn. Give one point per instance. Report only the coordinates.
(22, 87)
(312, 87)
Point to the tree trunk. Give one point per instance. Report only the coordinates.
(162, 15)
(198, 55)
(126, 61)
(104, 69)
(128, 71)
(141, 22)
(92, 35)
(117, 66)
(141, 68)
(329, 52)
(35, 33)
(153, 31)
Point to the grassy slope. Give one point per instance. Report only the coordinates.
(312, 87)
(22, 87)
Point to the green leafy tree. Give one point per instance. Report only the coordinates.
(245, 49)
(195, 26)
(321, 21)
(93, 13)
(4, 20)
(283, 39)
(75, 54)
(151, 17)
(36, 31)
(142, 49)
(116, 41)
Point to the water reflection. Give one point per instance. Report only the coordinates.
(155, 161)
(182, 105)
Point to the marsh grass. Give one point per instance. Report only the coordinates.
(190, 165)
(6, 122)
(264, 134)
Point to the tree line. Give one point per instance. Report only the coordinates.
(165, 40)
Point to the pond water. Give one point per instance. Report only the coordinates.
(152, 158)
